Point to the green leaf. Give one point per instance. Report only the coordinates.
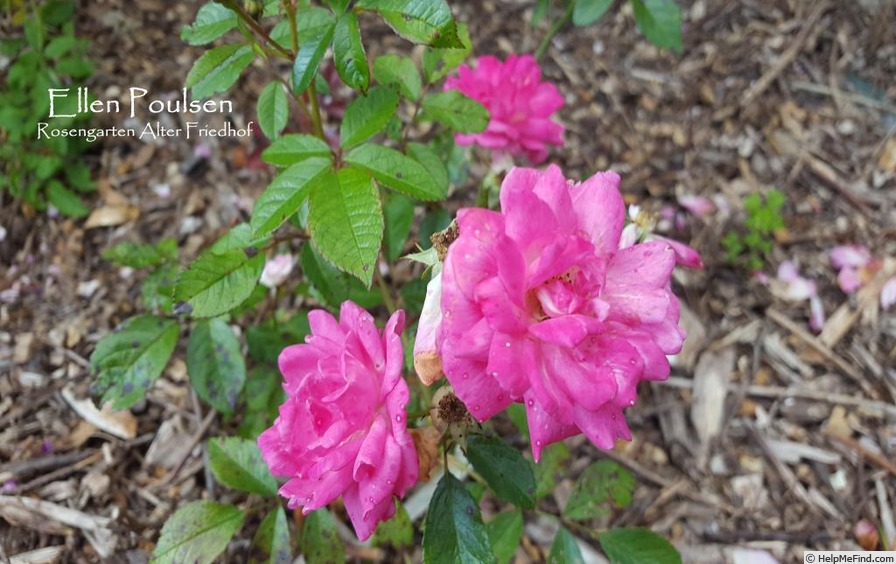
(265, 340)
(517, 414)
(141, 256)
(197, 533)
(212, 21)
(453, 531)
(316, 32)
(368, 115)
(553, 457)
(293, 148)
(348, 53)
(586, 12)
(285, 195)
(395, 69)
(130, 359)
(273, 109)
(397, 532)
(422, 21)
(399, 213)
(67, 202)
(333, 286)
(215, 364)
(600, 485)
(504, 534)
(78, 177)
(455, 110)
(272, 538)
(503, 468)
(217, 69)
(540, 11)
(437, 63)
(346, 221)
(565, 549)
(435, 221)
(218, 281)
(396, 171)
(636, 545)
(660, 21)
(320, 541)
(425, 155)
(57, 12)
(237, 463)
(158, 287)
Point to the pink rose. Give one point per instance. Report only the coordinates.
(540, 305)
(519, 103)
(343, 429)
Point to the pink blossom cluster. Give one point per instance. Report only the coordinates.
(519, 103)
(342, 429)
(540, 305)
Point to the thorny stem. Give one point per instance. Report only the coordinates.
(253, 25)
(555, 28)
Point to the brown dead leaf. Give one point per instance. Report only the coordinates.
(121, 424)
(110, 216)
(837, 424)
(887, 160)
(426, 440)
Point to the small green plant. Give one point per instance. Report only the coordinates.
(45, 54)
(763, 219)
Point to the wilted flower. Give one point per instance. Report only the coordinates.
(276, 270)
(793, 287)
(697, 205)
(849, 260)
(342, 429)
(520, 106)
(427, 362)
(541, 305)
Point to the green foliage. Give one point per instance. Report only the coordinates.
(197, 532)
(222, 277)
(316, 29)
(128, 360)
(346, 221)
(438, 62)
(332, 287)
(272, 538)
(397, 531)
(564, 549)
(368, 115)
(215, 364)
(237, 464)
(553, 458)
(586, 12)
(399, 215)
(763, 219)
(602, 485)
(294, 148)
(273, 109)
(456, 111)
(348, 53)
(634, 546)
(212, 21)
(421, 21)
(397, 171)
(262, 396)
(141, 256)
(660, 22)
(218, 69)
(503, 468)
(398, 70)
(505, 532)
(320, 541)
(286, 194)
(453, 530)
(43, 53)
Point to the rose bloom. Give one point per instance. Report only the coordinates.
(343, 429)
(520, 106)
(540, 305)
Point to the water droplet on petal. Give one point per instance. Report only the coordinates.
(538, 443)
(399, 418)
(530, 403)
(494, 374)
(631, 402)
(507, 344)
